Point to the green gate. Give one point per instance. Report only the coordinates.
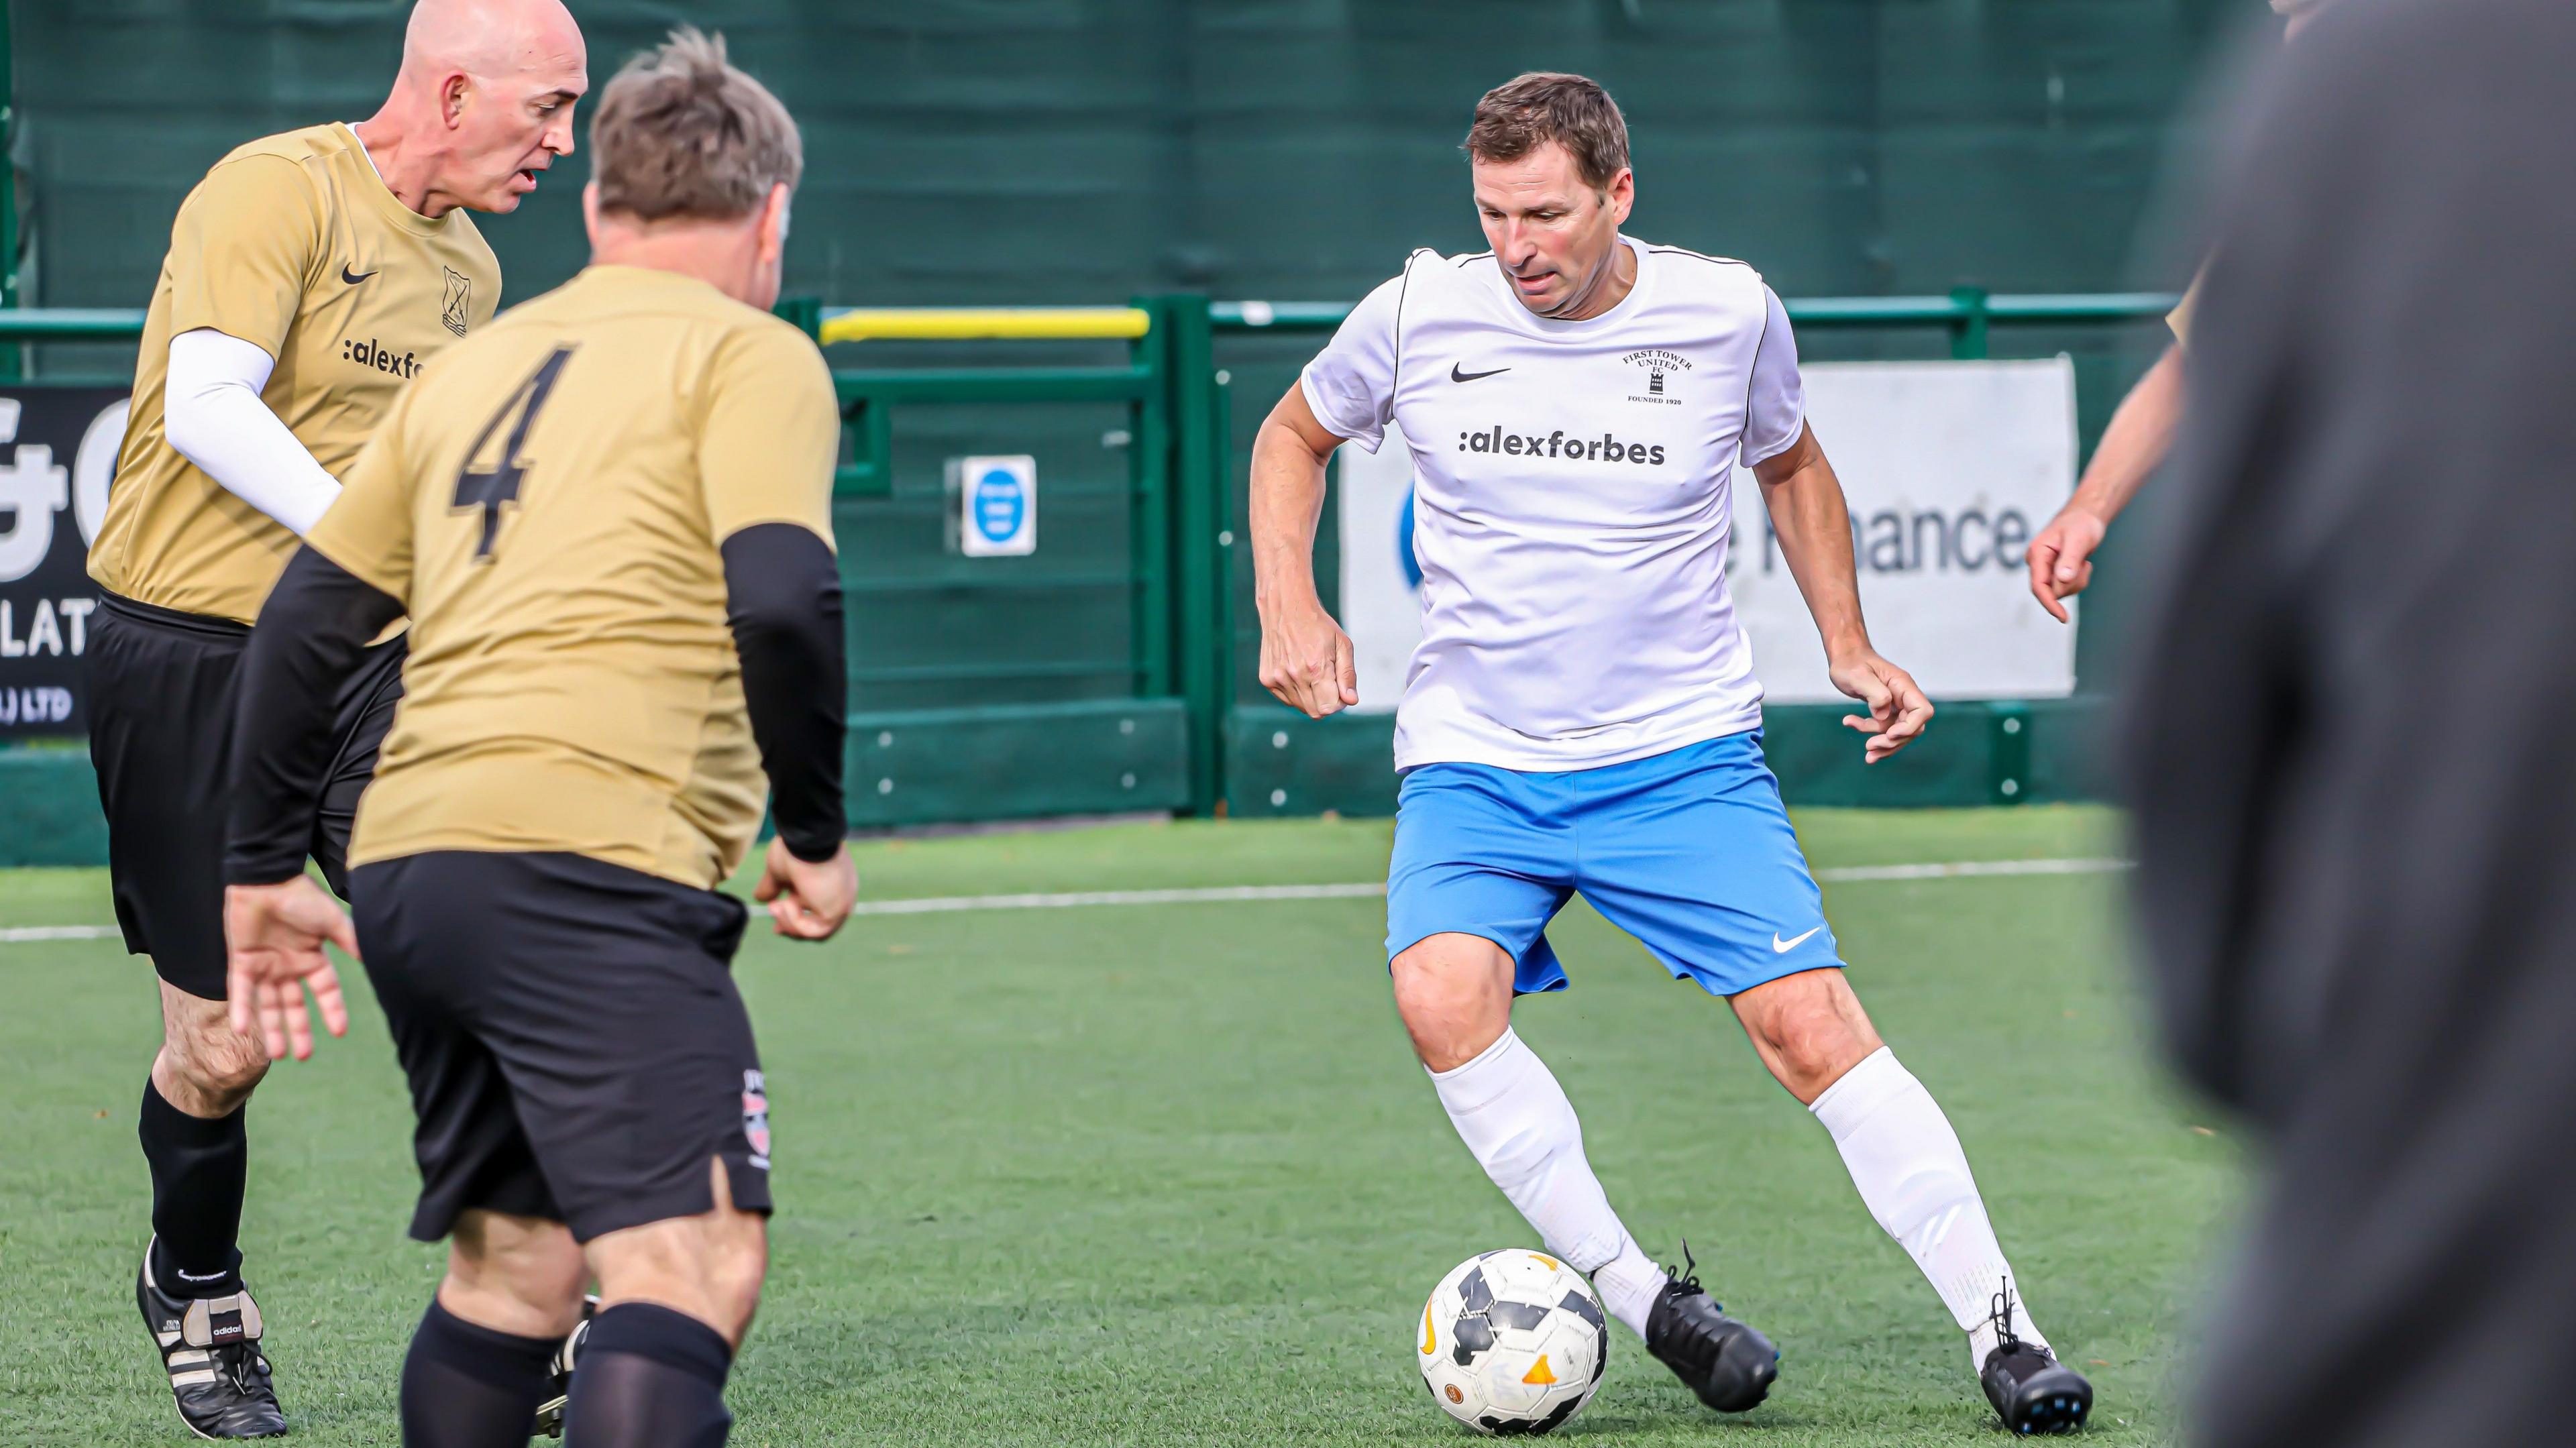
(1051, 684)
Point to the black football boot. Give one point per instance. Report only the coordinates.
(1728, 1364)
(2031, 1390)
(550, 1413)
(210, 1348)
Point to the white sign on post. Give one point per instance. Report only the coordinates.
(1949, 469)
(993, 505)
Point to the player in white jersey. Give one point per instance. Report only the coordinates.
(1582, 713)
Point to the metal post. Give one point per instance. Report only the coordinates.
(1149, 514)
(1221, 584)
(13, 356)
(1199, 490)
(1968, 329)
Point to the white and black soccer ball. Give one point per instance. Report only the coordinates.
(1512, 1343)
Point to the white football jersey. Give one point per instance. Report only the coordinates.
(1569, 500)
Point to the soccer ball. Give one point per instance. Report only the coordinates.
(1512, 1343)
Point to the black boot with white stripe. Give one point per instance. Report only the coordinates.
(550, 1413)
(210, 1347)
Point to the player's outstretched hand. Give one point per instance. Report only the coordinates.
(807, 899)
(273, 938)
(1897, 709)
(2061, 558)
(1306, 661)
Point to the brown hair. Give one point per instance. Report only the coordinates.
(1517, 116)
(681, 133)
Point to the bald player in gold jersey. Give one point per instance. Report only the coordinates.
(607, 516)
(312, 277)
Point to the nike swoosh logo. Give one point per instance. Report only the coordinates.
(1783, 947)
(1457, 376)
(353, 278)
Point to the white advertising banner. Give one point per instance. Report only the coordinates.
(1949, 468)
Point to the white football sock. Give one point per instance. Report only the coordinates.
(1629, 1284)
(1517, 1123)
(1914, 1177)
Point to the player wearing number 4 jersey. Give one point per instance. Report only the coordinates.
(311, 278)
(1582, 713)
(608, 517)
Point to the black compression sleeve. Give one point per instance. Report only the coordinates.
(783, 598)
(310, 636)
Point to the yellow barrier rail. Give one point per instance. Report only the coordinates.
(862, 324)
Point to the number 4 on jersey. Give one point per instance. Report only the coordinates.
(488, 488)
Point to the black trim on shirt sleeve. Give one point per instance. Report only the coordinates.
(783, 599)
(1395, 361)
(311, 635)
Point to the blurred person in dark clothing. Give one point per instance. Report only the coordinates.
(2349, 753)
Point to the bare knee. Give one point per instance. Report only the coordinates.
(1813, 1052)
(1808, 1028)
(205, 1067)
(1455, 995)
(709, 1266)
(519, 1275)
(740, 1266)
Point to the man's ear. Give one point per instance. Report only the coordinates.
(590, 211)
(773, 222)
(454, 94)
(1622, 195)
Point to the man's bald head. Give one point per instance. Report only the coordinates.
(484, 100)
(487, 38)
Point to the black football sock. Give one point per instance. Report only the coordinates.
(648, 1377)
(469, 1386)
(198, 1167)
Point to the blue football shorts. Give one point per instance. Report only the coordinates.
(1690, 851)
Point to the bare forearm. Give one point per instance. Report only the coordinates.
(2134, 445)
(1287, 502)
(1813, 525)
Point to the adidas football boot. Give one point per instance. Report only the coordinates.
(2032, 1392)
(550, 1413)
(1728, 1364)
(210, 1348)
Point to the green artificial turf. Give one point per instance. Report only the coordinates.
(1169, 1174)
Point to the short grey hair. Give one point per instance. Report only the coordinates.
(2295, 8)
(680, 132)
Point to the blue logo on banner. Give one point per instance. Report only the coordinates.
(1000, 505)
(1404, 558)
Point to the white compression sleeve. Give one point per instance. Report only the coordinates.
(212, 413)
(1518, 1124)
(1914, 1177)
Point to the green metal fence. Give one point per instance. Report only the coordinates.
(1108, 672)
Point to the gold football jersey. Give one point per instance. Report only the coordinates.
(548, 506)
(293, 244)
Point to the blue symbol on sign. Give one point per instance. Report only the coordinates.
(1404, 558)
(1001, 503)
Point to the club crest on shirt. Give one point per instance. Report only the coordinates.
(755, 1118)
(452, 302)
(1660, 365)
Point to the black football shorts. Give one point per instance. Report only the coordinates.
(161, 691)
(576, 1048)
